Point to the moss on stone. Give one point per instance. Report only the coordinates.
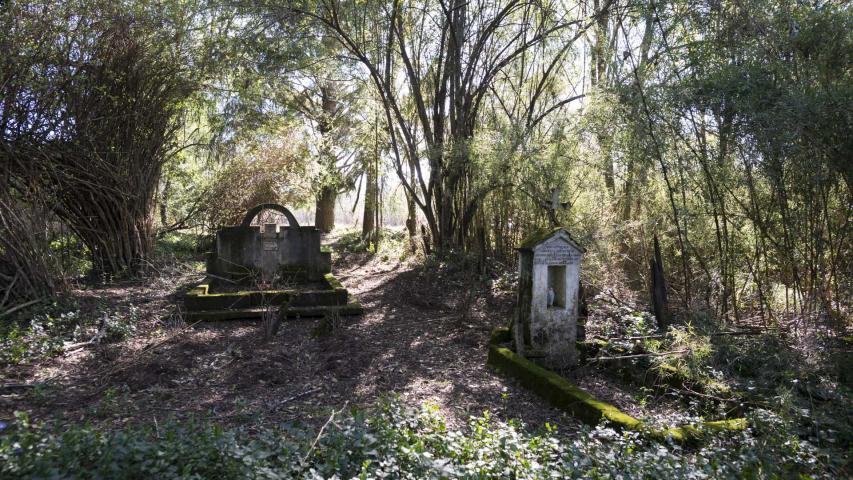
(590, 348)
(667, 375)
(537, 237)
(352, 308)
(695, 433)
(500, 335)
(566, 396)
(199, 298)
(557, 390)
(333, 282)
(540, 236)
(201, 289)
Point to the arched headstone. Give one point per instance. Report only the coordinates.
(252, 254)
(254, 211)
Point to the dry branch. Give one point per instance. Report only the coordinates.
(640, 355)
(320, 433)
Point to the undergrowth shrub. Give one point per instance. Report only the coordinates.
(392, 244)
(766, 357)
(181, 245)
(393, 441)
(41, 332)
(692, 366)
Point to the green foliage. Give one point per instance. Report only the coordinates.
(181, 245)
(116, 325)
(391, 441)
(30, 341)
(766, 357)
(351, 241)
(393, 244)
(610, 318)
(74, 258)
(39, 333)
(693, 366)
(268, 169)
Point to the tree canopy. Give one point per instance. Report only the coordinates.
(699, 150)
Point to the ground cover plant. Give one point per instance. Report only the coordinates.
(394, 441)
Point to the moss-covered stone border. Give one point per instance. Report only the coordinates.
(331, 299)
(580, 403)
(351, 308)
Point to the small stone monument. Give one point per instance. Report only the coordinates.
(256, 271)
(545, 326)
(247, 253)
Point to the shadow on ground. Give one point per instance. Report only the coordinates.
(423, 337)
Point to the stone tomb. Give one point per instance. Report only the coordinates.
(253, 269)
(545, 325)
(249, 254)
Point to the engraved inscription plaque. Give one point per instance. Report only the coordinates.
(556, 254)
(270, 246)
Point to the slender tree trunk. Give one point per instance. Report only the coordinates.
(658, 287)
(324, 217)
(411, 207)
(371, 197)
(164, 203)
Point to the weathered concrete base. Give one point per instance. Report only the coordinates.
(582, 405)
(327, 297)
(352, 308)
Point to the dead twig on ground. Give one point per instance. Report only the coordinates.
(618, 300)
(21, 386)
(148, 348)
(294, 397)
(664, 335)
(320, 433)
(208, 274)
(640, 355)
(77, 346)
(21, 306)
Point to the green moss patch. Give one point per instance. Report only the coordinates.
(537, 237)
(695, 433)
(580, 403)
(557, 390)
(500, 335)
(351, 308)
(314, 300)
(333, 282)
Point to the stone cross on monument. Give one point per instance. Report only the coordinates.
(552, 205)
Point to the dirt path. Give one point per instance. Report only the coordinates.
(423, 337)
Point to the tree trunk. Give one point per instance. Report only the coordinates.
(658, 290)
(324, 217)
(164, 203)
(597, 79)
(118, 237)
(371, 200)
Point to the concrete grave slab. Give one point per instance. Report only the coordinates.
(253, 269)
